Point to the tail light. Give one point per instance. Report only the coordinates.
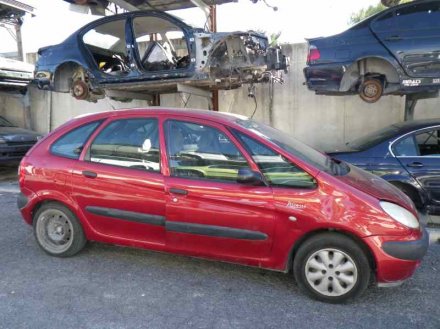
(314, 54)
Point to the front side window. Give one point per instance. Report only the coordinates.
(71, 144)
(132, 143)
(277, 170)
(203, 152)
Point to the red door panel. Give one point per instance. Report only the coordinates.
(121, 202)
(219, 220)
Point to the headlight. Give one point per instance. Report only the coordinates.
(400, 214)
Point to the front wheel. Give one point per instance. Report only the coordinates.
(331, 267)
(58, 231)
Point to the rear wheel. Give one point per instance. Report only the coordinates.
(58, 231)
(371, 90)
(331, 267)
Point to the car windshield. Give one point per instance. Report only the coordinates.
(5, 123)
(296, 148)
(373, 139)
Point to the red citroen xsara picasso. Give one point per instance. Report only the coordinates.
(222, 187)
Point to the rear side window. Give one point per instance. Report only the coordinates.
(131, 143)
(277, 170)
(419, 16)
(406, 147)
(71, 144)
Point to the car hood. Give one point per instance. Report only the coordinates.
(376, 187)
(15, 134)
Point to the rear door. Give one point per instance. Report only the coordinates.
(118, 184)
(412, 34)
(208, 213)
(419, 153)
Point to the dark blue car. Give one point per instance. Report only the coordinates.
(394, 52)
(405, 154)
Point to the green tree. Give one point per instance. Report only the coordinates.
(369, 11)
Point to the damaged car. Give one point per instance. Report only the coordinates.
(152, 52)
(395, 52)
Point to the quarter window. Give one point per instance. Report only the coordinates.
(406, 147)
(203, 152)
(132, 143)
(277, 170)
(71, 144)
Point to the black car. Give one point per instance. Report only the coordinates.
(394, 52)
(15, 141)
(151, 52)
(405, 154)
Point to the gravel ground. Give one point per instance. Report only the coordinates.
(114, 287)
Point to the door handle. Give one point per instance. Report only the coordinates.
(178, 191)
(394, 38)
(89, 174)
(415, 165)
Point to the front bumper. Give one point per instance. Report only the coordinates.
(408, 250)
(397, 258)
(14, 152)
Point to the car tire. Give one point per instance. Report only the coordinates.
(332, 268)
(58, 231)
(371, 90)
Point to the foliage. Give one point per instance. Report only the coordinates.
(367, 12)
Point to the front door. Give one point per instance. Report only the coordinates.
(412, 34)
(208, 213)
(419, 153)
(118, 184)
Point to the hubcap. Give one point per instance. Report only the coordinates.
(331, 272)
(54, 231)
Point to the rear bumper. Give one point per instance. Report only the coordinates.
(324, 77)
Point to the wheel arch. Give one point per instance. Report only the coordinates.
(411, 191)
(63, 73)
(308, 235)
(369, 65)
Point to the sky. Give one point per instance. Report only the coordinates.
(295, 19)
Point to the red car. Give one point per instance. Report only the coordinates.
(223, 187)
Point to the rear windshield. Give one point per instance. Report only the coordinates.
(374, 138)
(296, 148)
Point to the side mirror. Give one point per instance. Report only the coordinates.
(248, 177)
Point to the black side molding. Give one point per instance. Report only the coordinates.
(22, 201)
(127, 215)
(408, 250)
(215, 231)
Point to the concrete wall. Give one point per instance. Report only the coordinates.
(65, 107)
(321, 121)
(14, 107)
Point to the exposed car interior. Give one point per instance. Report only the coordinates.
(107, 45)
(161, 44)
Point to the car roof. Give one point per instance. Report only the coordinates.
(220, 117)
(408, 126)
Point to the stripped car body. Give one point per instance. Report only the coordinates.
(151, 53)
